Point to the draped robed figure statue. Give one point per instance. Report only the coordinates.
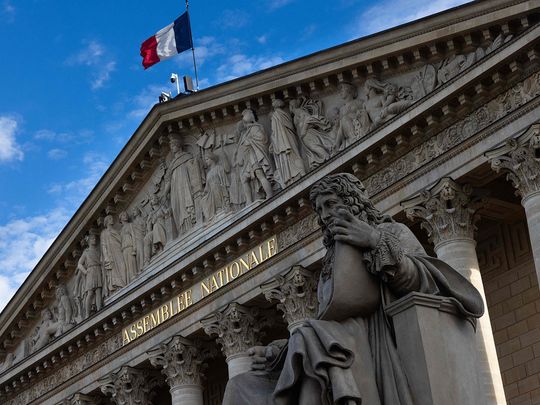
(348, 354)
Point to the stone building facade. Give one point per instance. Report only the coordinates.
(200, 242)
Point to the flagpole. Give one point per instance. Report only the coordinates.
(193, 50)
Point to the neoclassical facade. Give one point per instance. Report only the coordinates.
(200, 242)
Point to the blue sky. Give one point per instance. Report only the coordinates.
(73, 89)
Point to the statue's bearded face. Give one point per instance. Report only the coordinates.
(327, 206)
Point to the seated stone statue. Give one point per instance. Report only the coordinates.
(348, 354)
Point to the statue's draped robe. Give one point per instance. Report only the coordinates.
(330, 362)
(253, 152)
(113, 259)
(289, 163)
(129, 250)
(182, 205)
(215, 195)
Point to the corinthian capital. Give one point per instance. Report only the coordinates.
(180, 361)
(519, 158)
(447, 211)
(296, 294)
(80, 399)
(130, 386)
(237, 328)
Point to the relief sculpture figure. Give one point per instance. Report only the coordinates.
(313, 129)
(65, 310)
(139, 226)
(216, 195)
(89, 278)
(181, 187)
(129, 246)
(111, 254)
(348, 354)
(352, 119)
(383, 101)
(45, 331)
(156, 237)
(252, 157)
(284, 146)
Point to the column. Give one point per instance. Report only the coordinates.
(181, 361)
(519, 158)
(448, 213)
(130, 386)
(296, 295)
(236, 329)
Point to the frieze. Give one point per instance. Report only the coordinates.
(455, 134)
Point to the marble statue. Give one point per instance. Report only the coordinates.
(8, 361)
(129, 246)
(112, 257)
(45, 331)
(89, 278)
(352, 118)
(156, 236)
(383, 101)
(348, 354)
(252, 158)
(65, 310)
(138, 223)
(313, 129)
(184, 186)
(215, 197)
(284, 146)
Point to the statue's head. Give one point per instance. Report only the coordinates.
(108, 221)
(211, 159)
(61, 291)
(91, 239)
(347, 91)
(278, 103)
(249, 116)
(175, 143)
(123, 217)
(47, 314)
(343, 191)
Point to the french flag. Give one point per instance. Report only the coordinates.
(167, 42)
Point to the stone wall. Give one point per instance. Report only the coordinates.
(513, 298)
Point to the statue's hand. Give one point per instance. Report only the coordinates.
(352, 230)
(261, 356)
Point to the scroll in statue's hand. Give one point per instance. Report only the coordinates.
(353, 231)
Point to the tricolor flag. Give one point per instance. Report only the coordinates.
(169, 41)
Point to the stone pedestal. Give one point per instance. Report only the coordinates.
(448, 213)
(238, 363)
(437, 347)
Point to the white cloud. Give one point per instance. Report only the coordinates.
(145, 100)
(75, 191)
(56, 154)
(95, 56)
(262, 39)
(390, 13)
(8, 11)
(240, 65)
(48, 135)
(205, 48)
(275, 4)
(9, 148)
(23, 242)
(233, 19)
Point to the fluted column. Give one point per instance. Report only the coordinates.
(130, 386)
(296, 295)
(181, 362)
(519, 158)
(237, 329)
(447, 213)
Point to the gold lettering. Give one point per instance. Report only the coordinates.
(133, 332)
(272, 247)
(262, 257)
(243, 263)
(189, 298)
(171, 308)
(205, 288)
(252, 259)
(164, 313)
(140, 329)
(126, 338)
(154, 318)
(214, 284)
(220, 276)
(180, 302)
(234, 268)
